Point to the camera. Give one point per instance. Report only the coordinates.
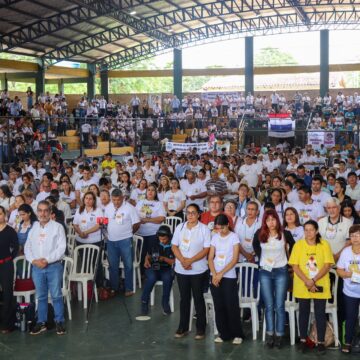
(102, 220)
(155, 263)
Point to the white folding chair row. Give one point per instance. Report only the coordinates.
(292, 308)
(247, 297)
(71, 243)
(172, 222)
(84, 269)
(152, 296)
(138, 243)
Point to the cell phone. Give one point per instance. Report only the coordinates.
(319, 289)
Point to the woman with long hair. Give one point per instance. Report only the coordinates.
(190, 245)
(9, 247)
(6, 197)
(124, 183)
(311, 260)
(272, 246)
(152, 214)
(223, 256)
(339, 191)
(139, 193)
(164, 187)
(348, 211)
(27, 219)
(292, 223)
(175, 200)
(68, 194)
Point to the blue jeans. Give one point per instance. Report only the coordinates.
(45, 280)
(115, 250)
(273, 288)
(152, 276)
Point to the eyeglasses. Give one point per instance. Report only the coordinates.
(191, 213)
(355, 235)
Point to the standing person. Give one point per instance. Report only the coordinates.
(124, 222)
(348, 268)
(174, 200)
(311, 260)
(223, 256)
(45, 248)
(190, 245)
(9, 247)
(152, 214)
(292, 223)
(27, 219)
(272, 245)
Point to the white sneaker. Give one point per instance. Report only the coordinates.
(237, 341)
(218, 340)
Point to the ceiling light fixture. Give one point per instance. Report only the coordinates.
(132, 12)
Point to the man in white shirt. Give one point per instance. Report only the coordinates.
(86, 129)
(42, 195)
(249, 172)
(320, 197)
(194, 190)
(44, 249)
(82, 185)
(353, 188)
(306, 207)
(123, 223)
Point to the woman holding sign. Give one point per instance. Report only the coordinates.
(190, 245)
(348, 267)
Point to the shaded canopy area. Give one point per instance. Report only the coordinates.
(116, 33)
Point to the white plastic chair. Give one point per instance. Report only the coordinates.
(210, 311)
(247, 298)
(71, 244)
(25, 274)
(66, 292)
(331, 308)
(152, 296)
(85, 259)
(292, 308)
(138, 242)
(172, 222)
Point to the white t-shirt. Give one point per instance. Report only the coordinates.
(321, 199)
(293, 196)
(308, 212)
(273, 253)
(138, 195)
(250, 173)
(121, 221)
(196, 188)
(190, 243)
(350, 262)
(87, 220)
(149, 209)
(174, 199)
(224, 251)
(83, 186)
(246, 235)
(42, 196)
(68, 198)
(297, 233)
(150, 174)
(336, 234)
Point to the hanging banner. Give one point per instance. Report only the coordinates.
(182, 148)
(281, 126)
(211, 96)
(317, 138)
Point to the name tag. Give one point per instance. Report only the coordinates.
(355, 277)
(42, 237)
(119, 219)
(185, 245)
(268, 265)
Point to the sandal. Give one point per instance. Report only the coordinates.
(346, 348)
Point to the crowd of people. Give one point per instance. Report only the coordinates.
(293, 212)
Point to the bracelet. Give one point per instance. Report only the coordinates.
(313, 281)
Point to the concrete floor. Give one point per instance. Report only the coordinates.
(110, 335)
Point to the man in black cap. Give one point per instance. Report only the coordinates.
(159, 267)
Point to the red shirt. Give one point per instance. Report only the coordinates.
(207, 218)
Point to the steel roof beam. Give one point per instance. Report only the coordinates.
(253, 26)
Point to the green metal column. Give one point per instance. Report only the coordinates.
(104, 83)
(61, 86)
(249, 65)
(177, 73)
(324, 62)
(4, 82)
(40, 78)
(91, 81)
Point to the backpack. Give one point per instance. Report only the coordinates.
(329, 333)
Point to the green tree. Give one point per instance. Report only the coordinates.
(270, 56)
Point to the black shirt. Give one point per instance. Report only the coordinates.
(164, 251)
(9, 245)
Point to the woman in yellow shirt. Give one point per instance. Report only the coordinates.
(311, 259)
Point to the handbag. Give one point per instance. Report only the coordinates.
(329, 334)
(24, 285)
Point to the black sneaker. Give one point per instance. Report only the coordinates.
(38, 329)
(269, 340)
(60, 329)
(278, 342)
(321, 349)
(302, 347)
(144, 308)
(166, 309)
